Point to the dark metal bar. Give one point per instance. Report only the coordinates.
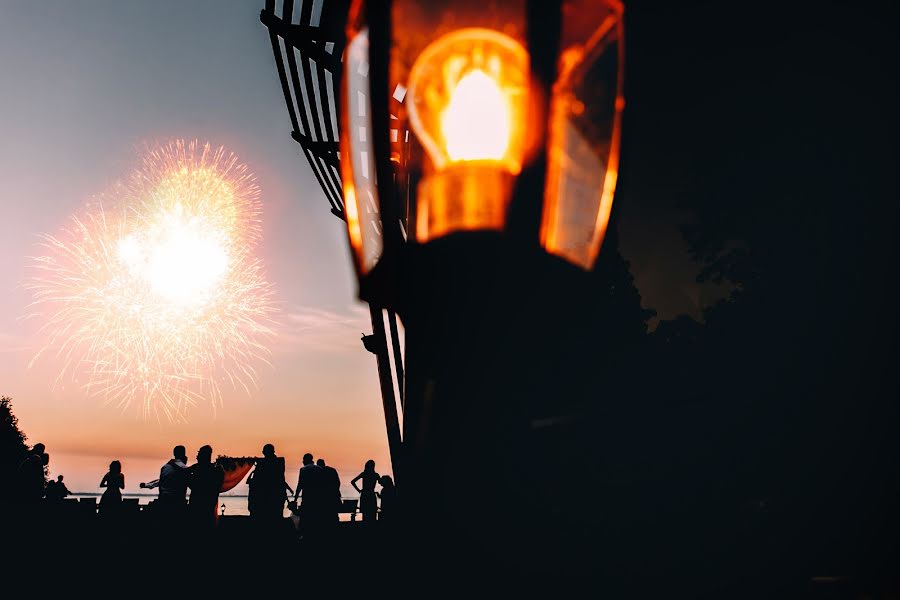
(303, 37)
(326, 150)
(398, 356)
(295, 80)
(282, 75)
(380, 350)
(333, 196)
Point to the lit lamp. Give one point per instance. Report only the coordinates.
(479, 153)
(482, 101)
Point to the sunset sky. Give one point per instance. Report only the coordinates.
(85, 86)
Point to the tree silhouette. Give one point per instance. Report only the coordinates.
(12, 448)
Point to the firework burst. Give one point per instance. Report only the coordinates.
(153, 297)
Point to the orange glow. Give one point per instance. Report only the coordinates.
(352, 212)
(467, 105)
(477, 122)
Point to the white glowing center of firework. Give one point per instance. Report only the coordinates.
(181, 258)
(160, 299)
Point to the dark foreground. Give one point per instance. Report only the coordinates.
(141, 554)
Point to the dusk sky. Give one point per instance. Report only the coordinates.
(86, 86)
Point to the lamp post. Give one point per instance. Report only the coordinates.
(479, 159)
(478, 162)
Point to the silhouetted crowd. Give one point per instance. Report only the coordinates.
(188, 495)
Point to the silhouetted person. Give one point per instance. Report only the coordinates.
(56, 490)
(114, 482)
(368, 503)
(268, 488)
(311, 483)
(172, 484)
(205, 480)
(388, 497)
(332, 482)
(50, 490)
(173, 480)
(31, 474)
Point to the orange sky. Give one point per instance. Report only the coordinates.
(319, 396)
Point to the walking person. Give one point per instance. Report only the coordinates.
(368, 503)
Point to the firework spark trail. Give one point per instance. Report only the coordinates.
(160, 300)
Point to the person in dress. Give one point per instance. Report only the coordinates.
(114, 482)
(368, 503)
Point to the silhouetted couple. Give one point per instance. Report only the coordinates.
(31, 474)
(319, 487)
(204, 478)
(368, 497)
(268, 489)
(56, 490)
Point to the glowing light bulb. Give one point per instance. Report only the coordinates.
(467, 99)
(467, 105)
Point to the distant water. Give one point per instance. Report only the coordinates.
(234, 504)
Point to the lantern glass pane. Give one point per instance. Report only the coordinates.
(584, 131)
(361, 203)
(463, 67)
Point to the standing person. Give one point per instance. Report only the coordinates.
(368, 503)
(332, 489)
(173, 480)
(31, 474)
(268, 488)
(205, 480)
(172, 484)
(311, 483)
(388, 497)
(114, 482)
